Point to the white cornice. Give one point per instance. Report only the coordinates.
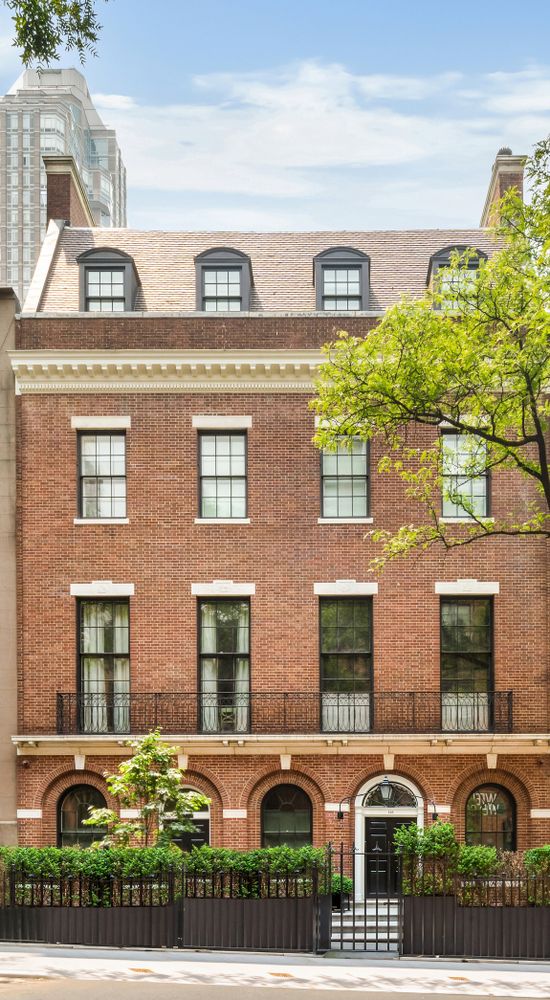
(165, 371)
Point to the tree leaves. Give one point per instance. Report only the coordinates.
(43, 27)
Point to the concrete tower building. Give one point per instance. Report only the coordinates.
(51, 112)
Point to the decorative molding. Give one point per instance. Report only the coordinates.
(389, 760)
(183, 761)
(442, 810)
(79, 761)
(229, 422)
(492, 760)
(219, 588)
(286, 761)
(345, 520)
(100, 423)
(129, 813)
(102, 588)
(101, 520)
(234, 813)
(333, 807)
(29, 814)
(540, 814)
(165, 371)
(456, 588)
(345, 587)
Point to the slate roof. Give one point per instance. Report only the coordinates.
(282, 264)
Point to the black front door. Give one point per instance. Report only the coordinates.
(381, 863)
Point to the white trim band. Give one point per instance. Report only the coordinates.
(100, 423)
(129, 813)
(102, 588)
(345, 520)
(540, 813)
(440, 810)
(101, 520)
(478, 588)
(219, 588)
(345, 587)
(229, 422)
(222, 520)
(334, 807)
(29, 814)
(234, 813)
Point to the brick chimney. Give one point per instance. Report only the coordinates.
(507, 173)
(66, 196)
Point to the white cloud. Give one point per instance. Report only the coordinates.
(316, 136)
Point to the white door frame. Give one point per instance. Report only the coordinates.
(416, 814)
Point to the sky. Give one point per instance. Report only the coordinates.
(314, 114)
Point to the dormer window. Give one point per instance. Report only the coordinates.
(108, 281)
(341, 279)
(453, 281)
(223, 280)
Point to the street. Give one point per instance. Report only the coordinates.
(38, 972)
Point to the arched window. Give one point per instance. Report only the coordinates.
(286, 817)
(491, 818)
(390, 795)
(74, 807)
(341, 279)
(108, 280)
(200, 835)
(223, 280)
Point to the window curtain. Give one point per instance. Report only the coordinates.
(209, 671)
(346, 712)
(95, 699)
(465, 713)
(242, 697)
(121, 696)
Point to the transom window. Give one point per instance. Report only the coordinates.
(286, 817)
(390, 795)
(222, 474)
(466, 663)
(102, 461)
(104, 666)
(464, 462)
(105, 290)
(224, 279)
(341, 278)
(74, 807)
(345, 480)
(224, 667)
(491, 818)
(346, 663)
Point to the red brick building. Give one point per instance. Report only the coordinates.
(188, 559)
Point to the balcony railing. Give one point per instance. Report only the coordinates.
(262, 712)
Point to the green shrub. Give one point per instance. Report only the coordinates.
(537, 860)
(435, 841)
(477, 861)
(341, 883)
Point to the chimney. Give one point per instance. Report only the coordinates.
(66, 196)
(507, 173)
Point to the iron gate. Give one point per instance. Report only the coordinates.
(367, 904)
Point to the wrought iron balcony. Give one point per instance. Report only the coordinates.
(278, 712)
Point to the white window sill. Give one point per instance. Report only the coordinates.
(466, 520)
(222, 520)
(345, 520)
(101, 520)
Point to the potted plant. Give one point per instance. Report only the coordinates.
(342, 888)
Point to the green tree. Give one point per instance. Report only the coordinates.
(149, 783)
(43, 27)
(472, 355)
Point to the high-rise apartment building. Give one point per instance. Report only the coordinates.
(44, 113)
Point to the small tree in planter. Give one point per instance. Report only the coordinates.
(149, 783)
(341, 888)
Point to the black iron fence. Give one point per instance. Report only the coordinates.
(285, 712)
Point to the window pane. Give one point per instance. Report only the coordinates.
(223, 475)
(345, 474)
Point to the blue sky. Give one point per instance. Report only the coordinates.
(295, 114)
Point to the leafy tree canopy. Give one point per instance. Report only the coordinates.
(470, 356)
(44, 27)
(149, 783)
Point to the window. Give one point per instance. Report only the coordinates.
(466, 663)
(108, 281)
(223, 279)
(453, 283)
(464, 470)
(74, 807)
(344, 475)
(102, 461)
(341, 278)
(197, 837)
(104, 666)
(346, 663)
(491, 818)
(222, 459)
(224, 665)
(286, 817)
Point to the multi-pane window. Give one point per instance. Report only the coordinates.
(455, 285)
(286, 817)
(464, 475)
(104, 290)
(74, 809)
(466, 662)
(102, 460)
(491, 818)
(342, 288)
(221, 289)
(224, 668)
(345, 480)
(346, 663)
(222, 474)
(104, 666)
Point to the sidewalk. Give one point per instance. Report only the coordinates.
(520, 979)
